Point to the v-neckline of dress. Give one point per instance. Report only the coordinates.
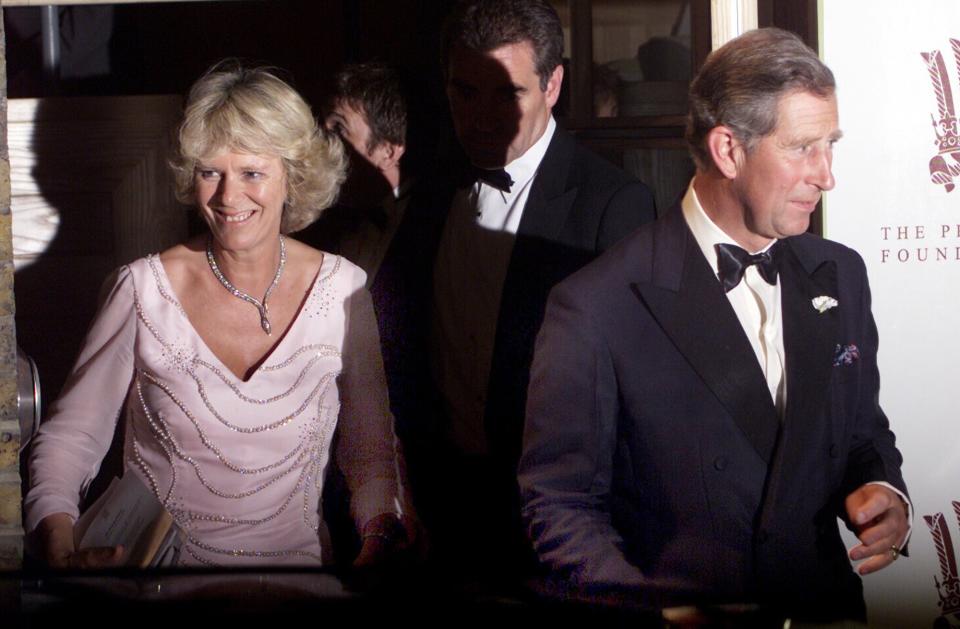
(166, 290)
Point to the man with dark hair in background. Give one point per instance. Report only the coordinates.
(368, 110)
(526, 208)
(704, 397)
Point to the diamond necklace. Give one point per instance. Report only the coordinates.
(261, 305)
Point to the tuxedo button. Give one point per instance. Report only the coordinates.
(720, 463)
(834, 451)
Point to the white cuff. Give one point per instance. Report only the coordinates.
(907, 502)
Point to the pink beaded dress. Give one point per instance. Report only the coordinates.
(239, 464)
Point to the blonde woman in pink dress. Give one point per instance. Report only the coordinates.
(242, 362)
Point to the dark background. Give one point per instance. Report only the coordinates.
(162, 48)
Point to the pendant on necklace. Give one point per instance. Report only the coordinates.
(260, 305)
(264, 322)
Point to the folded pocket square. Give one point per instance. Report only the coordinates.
(845, 355)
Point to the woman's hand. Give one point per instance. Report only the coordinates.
(55, 534)
(386, 536)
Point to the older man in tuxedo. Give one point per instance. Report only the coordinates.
(703, 401)
(467, 278)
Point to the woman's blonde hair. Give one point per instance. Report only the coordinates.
(250, 110)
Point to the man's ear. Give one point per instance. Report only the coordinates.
(388, 155)
(552, 93)
(725, 151)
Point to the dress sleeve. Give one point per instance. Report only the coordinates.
(367, 449)
(67, 451)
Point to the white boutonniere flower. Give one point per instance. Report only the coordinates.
(823, 303)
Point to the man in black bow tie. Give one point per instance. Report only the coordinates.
(534, 207)
(703, 401)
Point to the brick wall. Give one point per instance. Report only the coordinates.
(11, 534)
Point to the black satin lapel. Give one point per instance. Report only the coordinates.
(409, 257)
(701, 323)
(552, 193)
(809, 337)
(809, 341)
(544, 217)
(537, 263)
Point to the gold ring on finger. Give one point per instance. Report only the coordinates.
(894, 553)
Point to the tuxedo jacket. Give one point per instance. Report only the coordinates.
(578, 206)
(653, 452)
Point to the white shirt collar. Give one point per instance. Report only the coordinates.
(705, 231)
(403, 189)
(522, 169)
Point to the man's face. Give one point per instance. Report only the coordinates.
(351, 125)
(499, 110)
(779, 182)
(366, 184)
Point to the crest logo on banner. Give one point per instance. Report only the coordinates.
(945, 165)
(948, 585)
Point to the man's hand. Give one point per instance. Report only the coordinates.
(879, 519)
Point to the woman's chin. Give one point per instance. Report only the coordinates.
(243, 235)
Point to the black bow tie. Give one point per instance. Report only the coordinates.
(495, 177)
(732, 263)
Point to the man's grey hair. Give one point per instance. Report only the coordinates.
(741, 84)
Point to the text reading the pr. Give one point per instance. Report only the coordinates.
(902, 243)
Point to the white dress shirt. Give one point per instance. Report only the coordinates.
(757, 305)
(469, 273)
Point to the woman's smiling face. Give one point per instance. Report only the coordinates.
(241, 197)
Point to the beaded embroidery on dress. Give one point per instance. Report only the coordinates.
(240, 465)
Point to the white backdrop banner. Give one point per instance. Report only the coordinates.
(897, 202)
